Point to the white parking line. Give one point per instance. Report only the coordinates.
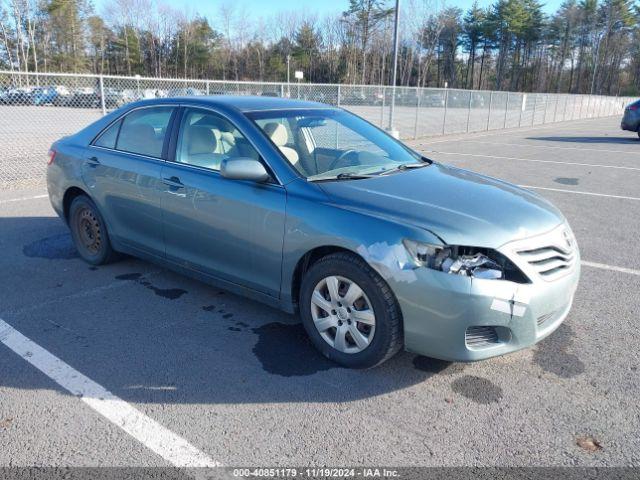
(536, 160)
(626, 152)
(21, 199)
(150, 433)
(578, 192)
(604, 266)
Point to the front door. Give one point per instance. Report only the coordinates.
(229, 229)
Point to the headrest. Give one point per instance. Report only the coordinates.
(215, 122)
(277, 133)
(200, 140)
(136, 137)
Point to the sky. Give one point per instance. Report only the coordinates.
(266, 8)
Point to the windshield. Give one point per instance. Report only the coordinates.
(326, 144)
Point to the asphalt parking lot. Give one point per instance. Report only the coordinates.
(213, 377)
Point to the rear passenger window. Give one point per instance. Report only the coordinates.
(143, 131)
(109, 136)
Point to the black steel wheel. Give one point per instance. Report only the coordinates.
(89, 232)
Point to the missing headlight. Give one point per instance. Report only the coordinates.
(473, 262)
(477, 265)
(486, 263)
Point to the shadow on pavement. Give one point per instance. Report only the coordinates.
(203, 346)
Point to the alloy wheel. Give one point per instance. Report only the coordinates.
(342, 314)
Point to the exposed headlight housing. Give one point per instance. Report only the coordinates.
(474, 262)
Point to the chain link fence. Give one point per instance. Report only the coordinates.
(37, 109)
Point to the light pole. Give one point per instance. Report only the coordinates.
(595, 63)
(396, 34)
(288, 77)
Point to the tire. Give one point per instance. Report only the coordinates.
(89, 232)
(383, 339)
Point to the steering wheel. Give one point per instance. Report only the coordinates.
(340, 158)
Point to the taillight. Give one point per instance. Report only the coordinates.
(52, 156)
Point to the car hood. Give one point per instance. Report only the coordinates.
(459, 206)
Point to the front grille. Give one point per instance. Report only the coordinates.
(481, 336)
(554, 256)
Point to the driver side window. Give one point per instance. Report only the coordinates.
(206, 139)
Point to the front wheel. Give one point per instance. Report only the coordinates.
(349, 312)
(89, 232)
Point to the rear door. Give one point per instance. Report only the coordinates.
(122, 170)
(229, 229)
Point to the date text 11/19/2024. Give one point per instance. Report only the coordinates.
(319, 472)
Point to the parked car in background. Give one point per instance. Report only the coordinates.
(407, 98)
(83, 97)
(329, 96)
(51, 95)
(313, 96)
(353, 98)
(134, 95)
(458, 99)
(432, 100)
(478, 100)
(631, 118)
(113, 98)
(90, 98)
(18, 96)
(184, 92)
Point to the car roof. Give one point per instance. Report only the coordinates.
(243, 103)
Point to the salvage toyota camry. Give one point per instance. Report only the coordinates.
(312, 209)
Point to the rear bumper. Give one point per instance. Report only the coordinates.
(56, 194)
(445, 315)
(630, 124)
(64, 173)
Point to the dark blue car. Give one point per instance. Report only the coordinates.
(51, 95)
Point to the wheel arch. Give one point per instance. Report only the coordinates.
(306, 261)
(69, 195)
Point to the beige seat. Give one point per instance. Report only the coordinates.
(278, 135)
(200, 144)
(226, 141)
(222, 130)
(140, 138)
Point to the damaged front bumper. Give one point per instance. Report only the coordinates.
(458, 318)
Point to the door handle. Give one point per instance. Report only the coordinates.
(173, 182)
(93, 161)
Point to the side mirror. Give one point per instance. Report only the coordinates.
(244, 168)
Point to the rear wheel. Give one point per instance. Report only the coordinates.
(89, 232)
(349, 312)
